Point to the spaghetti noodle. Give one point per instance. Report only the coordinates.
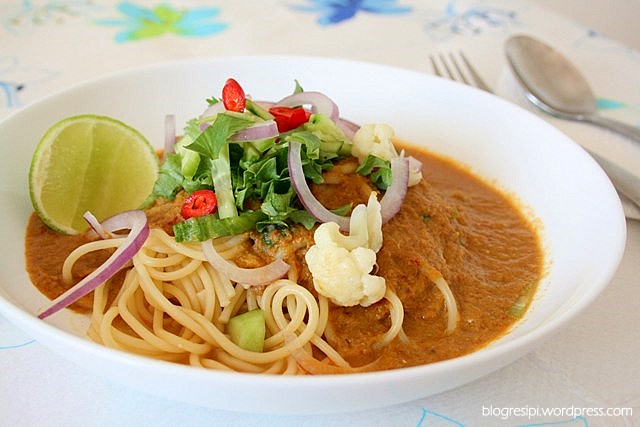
(174, 306)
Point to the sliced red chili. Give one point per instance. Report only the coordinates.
(288, 118)
(198, 203)
(233, 96)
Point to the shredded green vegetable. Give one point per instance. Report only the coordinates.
(379, 170)
(200, 228)
(519, 307)
(250, 178)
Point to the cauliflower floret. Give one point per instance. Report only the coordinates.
(373, 139)
(341, 265)
(365, 227)
(374, 223)
(377, 140)
(343, 275)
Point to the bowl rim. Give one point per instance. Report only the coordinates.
(513, 347)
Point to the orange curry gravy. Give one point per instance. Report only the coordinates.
(478, 238)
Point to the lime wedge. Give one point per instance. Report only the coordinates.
(90, 163)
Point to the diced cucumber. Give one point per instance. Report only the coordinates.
(331, 146)
(247, 330)
(333, 138)
(259, 111)
(189, 160)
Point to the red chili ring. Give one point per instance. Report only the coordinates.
(198, 203)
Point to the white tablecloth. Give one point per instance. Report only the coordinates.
(49, 45)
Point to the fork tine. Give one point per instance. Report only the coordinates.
(474, 74)
(457, 65)
(460, 74)
(435, 67)
(446, 70)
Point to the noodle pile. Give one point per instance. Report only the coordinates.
(173, 305)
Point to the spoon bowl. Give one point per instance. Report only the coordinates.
(555, 85)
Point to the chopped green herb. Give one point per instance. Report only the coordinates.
(250, 178)
(378, 170)
(522, 302)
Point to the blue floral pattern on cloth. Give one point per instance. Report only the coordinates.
(12, 338)
(142, 23)
(433, 418)
(10, 92)
(15, 77)
(429, 418)
(469, 19)
(609, 104)
(29, 14)
(336, 11)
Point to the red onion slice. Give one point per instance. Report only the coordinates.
(109, 226)
(248, 276)
(136, 221)
(415, 165)
(320, 103)
(95, 225)
(257, 132)
(213, 109)
(306, 197)
(394, 196)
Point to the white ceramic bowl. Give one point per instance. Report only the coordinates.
(582, 221)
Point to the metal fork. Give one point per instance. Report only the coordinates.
(449, 66)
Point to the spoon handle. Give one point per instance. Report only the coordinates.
(616, 126)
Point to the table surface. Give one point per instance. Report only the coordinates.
(619, 22)
(591, 363)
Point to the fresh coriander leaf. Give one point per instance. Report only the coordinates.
(191, 186)
(277, 205)
(213, 138)
(241, 196)
(303, 218)
(192, 129)
(381, 178)
(370, 163)
(266, 170)
(378, 170)
(308, 140)
(169, 180)
(343, 210)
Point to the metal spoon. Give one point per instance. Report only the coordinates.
(555, 86)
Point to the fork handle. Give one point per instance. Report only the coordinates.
(624, 129)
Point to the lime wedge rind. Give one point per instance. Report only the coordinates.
(90, 162)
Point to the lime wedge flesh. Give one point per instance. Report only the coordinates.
(90, 163)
